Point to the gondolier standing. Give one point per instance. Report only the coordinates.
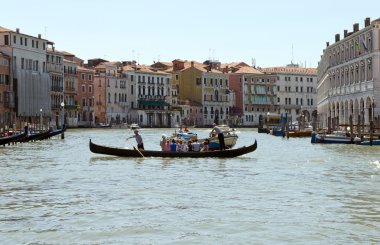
(220, 134)
(140, 144)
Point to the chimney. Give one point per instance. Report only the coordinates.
(192, 63)
(18, 30)
(337, 37)
(367, 22)
(39, 36)
(327, 44)
(356, 27)
(345, 33)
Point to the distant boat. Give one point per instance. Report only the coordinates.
(134, 126)
(336, 137)
(104, 125)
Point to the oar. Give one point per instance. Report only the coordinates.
(139, 152)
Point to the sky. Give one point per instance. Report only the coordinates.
(262, 33)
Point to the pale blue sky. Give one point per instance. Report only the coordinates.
(193, 30)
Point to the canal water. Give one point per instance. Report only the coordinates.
(288, 191)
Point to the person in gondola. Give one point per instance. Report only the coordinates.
(137, 136)
(220, 134)
(163, 142)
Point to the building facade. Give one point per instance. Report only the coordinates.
(295, 89)
(54, 67)
(349, 77)
(85, 97)
(29, 80)
(70, 93)
(6, 113)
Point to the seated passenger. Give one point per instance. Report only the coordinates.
(196, 146)
(173, 146)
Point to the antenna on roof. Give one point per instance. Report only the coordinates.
(253, 62)
(45, 32)
(292, 55)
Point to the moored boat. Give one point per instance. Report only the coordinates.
(53, 133)
(107, 150)
(13, 138)
(336, 137)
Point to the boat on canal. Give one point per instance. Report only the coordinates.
(13, 138)
(229, 153)
(336, 137)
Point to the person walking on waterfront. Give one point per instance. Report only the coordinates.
(137, 136)
(220, 134)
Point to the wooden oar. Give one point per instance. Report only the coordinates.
(139, 152)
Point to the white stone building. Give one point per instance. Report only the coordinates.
(349, 77)
(149, 96)
(295, 89)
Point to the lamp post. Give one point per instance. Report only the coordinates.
(63, 119)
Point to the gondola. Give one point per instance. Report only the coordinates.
(53, 133)
(146, 153)
(35, 136)
(13, 138)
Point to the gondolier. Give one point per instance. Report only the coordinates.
(137, 136)
(220, 134)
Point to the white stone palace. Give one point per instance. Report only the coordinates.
(349, 77)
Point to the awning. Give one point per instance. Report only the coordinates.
(154, 103)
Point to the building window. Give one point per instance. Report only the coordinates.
(82, 76)
(6, 40)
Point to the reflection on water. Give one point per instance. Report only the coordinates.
(287, 191)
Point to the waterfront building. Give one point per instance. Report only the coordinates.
(200, 84)
(54, 67)
(349, 77)
(85, 96)
(29, 94)
(116, 93)
(295, 90)
(70, 92)
(149, 96)
(6, 117)
(100, 91)
(254, 93)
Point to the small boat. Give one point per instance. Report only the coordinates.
(336, 137)
(191, 154)
(104, 125)
(230, 138)
(299, 134)
(368, 142)
(134, 126)
(13, 138)
(53, 133)
(35, 136)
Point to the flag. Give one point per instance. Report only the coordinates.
(364, 44)
(357, 45)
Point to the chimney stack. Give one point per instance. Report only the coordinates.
(327, 44)
(18, 30)
(367, 22)
(345, 33)
(337, 37)
(39, 36)
(356, 27)
(192, 63)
